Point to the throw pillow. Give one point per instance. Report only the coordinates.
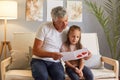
(20, 60)
(94, 62)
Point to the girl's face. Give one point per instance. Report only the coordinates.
(74, 36)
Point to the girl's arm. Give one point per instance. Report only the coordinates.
(79, 70)
(67, 63)
(81, 64)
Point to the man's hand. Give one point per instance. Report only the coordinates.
(56, 55)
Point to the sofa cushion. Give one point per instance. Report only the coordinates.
(27, 75)
(20, 60)
(94, 61)
(103, 73)
(21, 41)
(90, 41)
(21, 75)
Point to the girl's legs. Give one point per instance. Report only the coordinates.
(71, 73)
(87, 73)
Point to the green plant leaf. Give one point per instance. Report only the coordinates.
(109, 23)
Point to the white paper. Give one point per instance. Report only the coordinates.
(73, 55)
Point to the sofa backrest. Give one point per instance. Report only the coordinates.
(21, 41)
(90, 41)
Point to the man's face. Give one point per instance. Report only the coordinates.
(61, 23)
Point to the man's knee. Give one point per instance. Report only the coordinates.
(40, 76)
(58, 76)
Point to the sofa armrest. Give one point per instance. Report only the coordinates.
(113, 63)
(4, 64)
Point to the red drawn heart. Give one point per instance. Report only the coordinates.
(79, 55)
(83, 53)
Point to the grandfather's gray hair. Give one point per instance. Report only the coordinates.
(58, 12)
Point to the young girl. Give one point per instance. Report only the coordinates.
(75, 68)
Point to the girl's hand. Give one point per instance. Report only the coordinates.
(89, 56)
(79, 72)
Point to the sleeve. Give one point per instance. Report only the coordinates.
(41, 32)
(63, 48)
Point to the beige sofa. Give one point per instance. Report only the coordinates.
(21, 41)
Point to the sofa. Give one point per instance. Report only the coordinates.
(17, 66)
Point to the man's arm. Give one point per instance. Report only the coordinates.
(38, 51)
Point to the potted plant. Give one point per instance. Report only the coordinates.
(108, 15)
